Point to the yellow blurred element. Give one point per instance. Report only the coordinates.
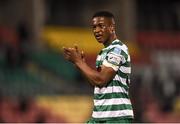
(133, 48)
(75, 109)
(57, 37)
(176, 106)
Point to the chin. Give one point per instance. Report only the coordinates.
(100, 41)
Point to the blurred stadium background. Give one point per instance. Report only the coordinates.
(38, 85)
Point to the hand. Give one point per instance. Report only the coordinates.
(73, 54)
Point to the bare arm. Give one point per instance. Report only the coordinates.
(95, 78)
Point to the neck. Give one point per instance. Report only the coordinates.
(110, 40)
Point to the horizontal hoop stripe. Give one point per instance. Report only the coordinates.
(113, 107)
(110, 95)
(118, 83)
(124, 69)
(113, 101)
(129, 58)
(127, 64)
(109, 89)
(121, 74)
(121, 79)
(124, 54)
(114, 118)
(106, 114)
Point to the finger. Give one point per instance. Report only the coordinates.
(72, 49)
(65, 49)
(67, 52)
(67, 55)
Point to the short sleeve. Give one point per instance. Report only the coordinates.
(113, 58)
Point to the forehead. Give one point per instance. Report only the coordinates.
(100, 20)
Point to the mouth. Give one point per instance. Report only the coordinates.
(98, 37)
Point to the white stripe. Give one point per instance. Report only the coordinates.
(128, 59)
(119, 113)
(113, 101)
(107, 64)
(98, 58)
(125, 69)
(122, 80)
(111, 89)
(117, 77)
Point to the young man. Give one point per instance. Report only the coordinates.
(111, 79)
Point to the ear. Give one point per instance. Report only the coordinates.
(112, 28)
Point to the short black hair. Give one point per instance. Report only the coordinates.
(103, 14)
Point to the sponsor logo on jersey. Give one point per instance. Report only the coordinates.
(117, 50)
(114, 59)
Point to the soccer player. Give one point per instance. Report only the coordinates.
(111, 79)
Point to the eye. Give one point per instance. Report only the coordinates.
(93, 27)
(102, 26)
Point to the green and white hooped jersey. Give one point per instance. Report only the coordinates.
(112, 101)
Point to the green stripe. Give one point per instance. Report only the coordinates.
(110, 95)
(122, 75)
(113, 107)
(126, 64)
(98, 63)
(118, 83)
(124, 54)
(127, 73)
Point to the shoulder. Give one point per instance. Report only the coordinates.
(118, 48)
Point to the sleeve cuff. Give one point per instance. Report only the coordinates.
(107, 64)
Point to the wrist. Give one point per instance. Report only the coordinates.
(78, 63)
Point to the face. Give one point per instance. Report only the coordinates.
(102, 28)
